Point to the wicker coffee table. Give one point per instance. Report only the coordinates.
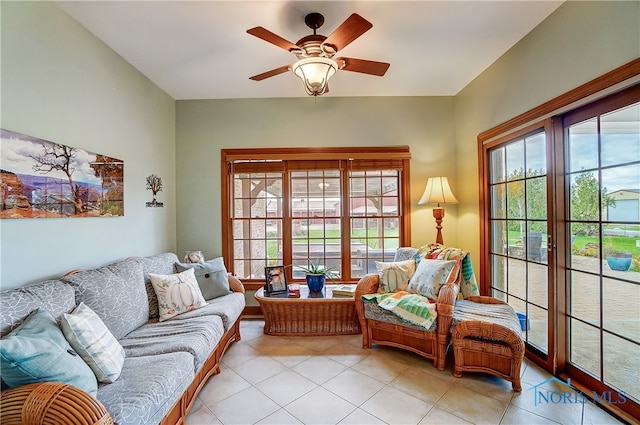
(310, 315)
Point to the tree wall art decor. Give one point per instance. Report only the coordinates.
(154, 184)
(43, 179)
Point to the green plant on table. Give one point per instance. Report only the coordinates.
(318, 269)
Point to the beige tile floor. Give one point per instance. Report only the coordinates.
(332, 380)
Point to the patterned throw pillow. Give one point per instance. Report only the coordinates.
(395, 276)
(430, 275)
(97, 346)
(177, 293)
(37, 351)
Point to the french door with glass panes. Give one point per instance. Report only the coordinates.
(518, 181)
(602, 180)
(561, 240)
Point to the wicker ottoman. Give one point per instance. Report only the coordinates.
(487, 339)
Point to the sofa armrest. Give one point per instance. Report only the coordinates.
(51, 402)
(368, 284)
(235, 285)
(447, 297)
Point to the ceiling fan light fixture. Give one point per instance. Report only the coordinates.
(315, 73)
(316, 64)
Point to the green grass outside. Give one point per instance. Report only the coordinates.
(358, 235)
(619, 243)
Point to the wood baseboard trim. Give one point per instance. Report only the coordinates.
(252, 312)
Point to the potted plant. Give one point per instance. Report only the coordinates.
(316, 275)
(617, 259)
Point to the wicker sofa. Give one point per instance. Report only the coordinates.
(384, 328)
(166, 362)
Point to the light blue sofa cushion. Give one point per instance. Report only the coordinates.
(158, 264)
(228, 307)
(54, 296)
(147, 388)
(37, 351)
(197, 336)
(116, 293)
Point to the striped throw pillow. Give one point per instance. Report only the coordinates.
(395, 276)
(88, 336)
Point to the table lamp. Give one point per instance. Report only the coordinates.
(438, 192)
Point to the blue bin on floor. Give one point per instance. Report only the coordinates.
(524, 322)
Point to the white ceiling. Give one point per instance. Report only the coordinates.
(200, 49)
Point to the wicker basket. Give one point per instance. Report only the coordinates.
(54, 403)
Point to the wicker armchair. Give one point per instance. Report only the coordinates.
(430, 344)
(487, 345)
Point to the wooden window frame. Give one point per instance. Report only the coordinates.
(545, 126)
(380, 156)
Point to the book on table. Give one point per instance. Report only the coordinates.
(346, 290)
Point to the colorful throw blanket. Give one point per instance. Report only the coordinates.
(466, 279)
(412, 308)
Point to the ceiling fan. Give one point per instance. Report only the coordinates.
(316, 62)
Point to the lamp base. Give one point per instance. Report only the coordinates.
(438, 214)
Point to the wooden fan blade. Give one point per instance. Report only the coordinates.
(363, 66)
(271, 73)
(349, 30)
(272, 38)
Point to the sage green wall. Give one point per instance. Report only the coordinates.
(204, 127)
(577, 43)
(62, 84)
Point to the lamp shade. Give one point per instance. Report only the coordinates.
(437, 192)
(315, 73)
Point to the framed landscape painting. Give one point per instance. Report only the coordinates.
(42, 179)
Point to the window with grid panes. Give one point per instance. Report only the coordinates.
(340, 208)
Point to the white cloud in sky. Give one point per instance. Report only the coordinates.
(627, 177)
(16, 152)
